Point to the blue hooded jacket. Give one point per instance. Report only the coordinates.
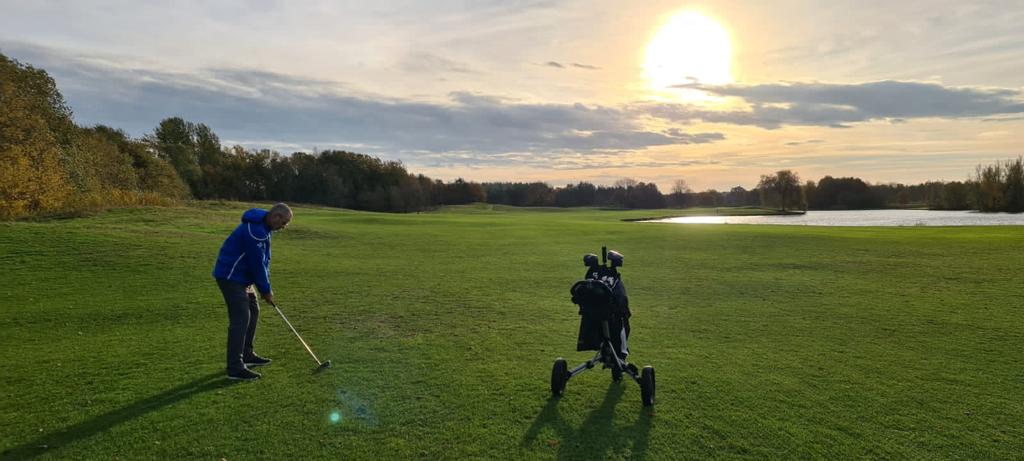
(245, 255)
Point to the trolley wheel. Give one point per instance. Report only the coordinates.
(647, 386)
(559, 376)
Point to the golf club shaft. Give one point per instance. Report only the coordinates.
(296, 333)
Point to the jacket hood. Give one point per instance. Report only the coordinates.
(254, 216)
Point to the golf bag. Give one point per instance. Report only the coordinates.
(604, 327)
(601, 296)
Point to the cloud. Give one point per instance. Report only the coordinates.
(1003, 119)
(248, 105)
(699, 138)
(422, 62)
(839, 105)
(577, 65)
(809, 141)
(561, 161)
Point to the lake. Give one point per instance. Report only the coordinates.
(864, 218)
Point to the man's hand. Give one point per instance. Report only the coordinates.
(269, 297)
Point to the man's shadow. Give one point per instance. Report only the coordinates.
(49, 443)
(598, 434)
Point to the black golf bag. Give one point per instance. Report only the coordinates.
(604, 327)
(601, 296)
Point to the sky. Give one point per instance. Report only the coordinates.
(713, 92)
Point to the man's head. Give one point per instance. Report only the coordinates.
(279, 217)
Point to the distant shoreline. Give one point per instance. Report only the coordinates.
(723, 211)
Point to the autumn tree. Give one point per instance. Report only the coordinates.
(34, 121)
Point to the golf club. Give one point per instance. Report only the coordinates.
(320, 365)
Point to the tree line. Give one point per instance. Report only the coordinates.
(49, 165)
(996, 187)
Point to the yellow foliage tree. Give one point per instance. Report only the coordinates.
(32, 179)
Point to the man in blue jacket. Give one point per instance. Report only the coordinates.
(244, 261)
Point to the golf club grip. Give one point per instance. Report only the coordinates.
(278, 309)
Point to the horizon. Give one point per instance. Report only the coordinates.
(716, 93)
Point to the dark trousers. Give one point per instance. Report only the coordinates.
(243, 312)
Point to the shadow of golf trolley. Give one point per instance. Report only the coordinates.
(604, 316)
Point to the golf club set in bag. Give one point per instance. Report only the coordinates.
(604, 326)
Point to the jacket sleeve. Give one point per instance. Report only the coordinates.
(255, 256)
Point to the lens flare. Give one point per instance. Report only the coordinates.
(335, 417)
(359, 411)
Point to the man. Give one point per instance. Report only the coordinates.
(244, 261)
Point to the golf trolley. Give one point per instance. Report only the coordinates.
(604, 327)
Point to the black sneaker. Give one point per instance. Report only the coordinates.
(243, 374)
(256, 361)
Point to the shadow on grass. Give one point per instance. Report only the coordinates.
(49, 443)
(598, 434)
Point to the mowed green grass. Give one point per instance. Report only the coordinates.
(769, 341)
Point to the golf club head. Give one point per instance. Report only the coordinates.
(326, 364)
(615, 257)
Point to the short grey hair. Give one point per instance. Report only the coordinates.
(281, 209)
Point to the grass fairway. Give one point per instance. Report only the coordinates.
(769, 341)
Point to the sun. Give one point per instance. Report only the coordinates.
(689, 48)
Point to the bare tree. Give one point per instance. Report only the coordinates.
(681, 187)
(626, 183)
(680, 193)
